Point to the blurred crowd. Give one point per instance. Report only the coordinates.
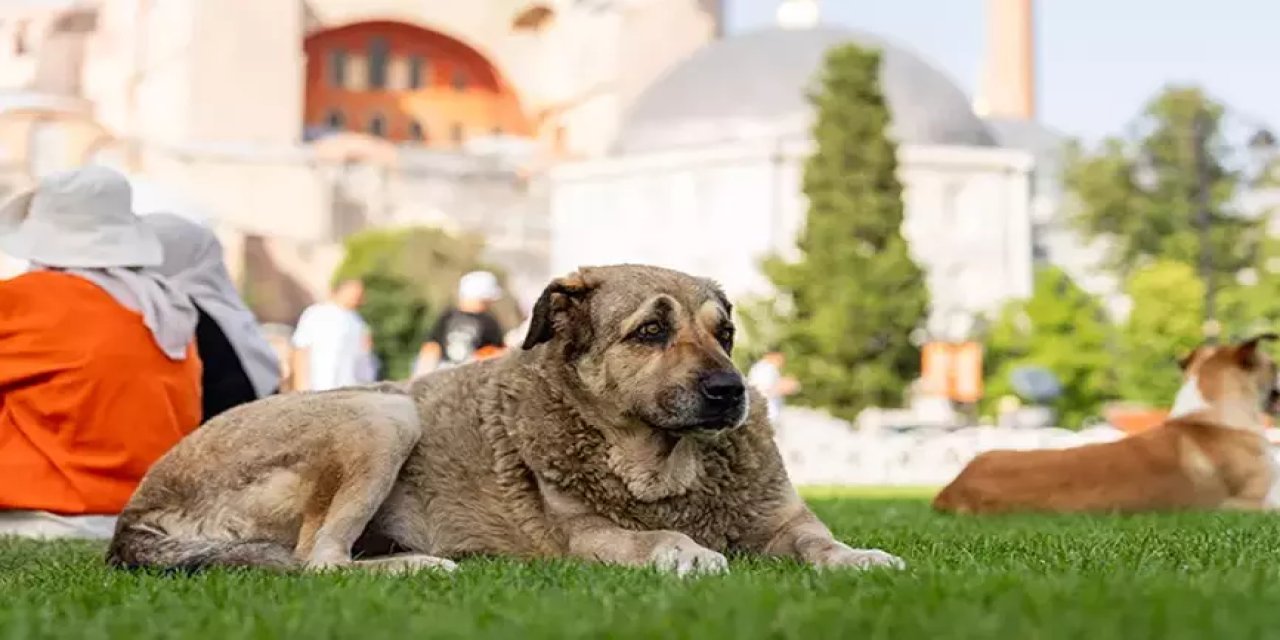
(125, 332)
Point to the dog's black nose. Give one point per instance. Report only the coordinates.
(722, 387)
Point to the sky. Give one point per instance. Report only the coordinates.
(1098, 61)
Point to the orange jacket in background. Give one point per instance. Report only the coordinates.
(88, 401)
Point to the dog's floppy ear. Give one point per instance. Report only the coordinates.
(1247, 351)
(556, 301)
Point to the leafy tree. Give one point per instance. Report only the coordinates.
(1060, 328)
(1163, 325)
(1253, 306)
(398, 318)
(855, 293)
(1141, 195)
(411, 275)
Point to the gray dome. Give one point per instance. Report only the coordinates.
(756, 85)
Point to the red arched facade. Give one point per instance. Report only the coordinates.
(406, 84)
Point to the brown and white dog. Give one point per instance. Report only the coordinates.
(1210, 454)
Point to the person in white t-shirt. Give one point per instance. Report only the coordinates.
(333, 347)
(766, 376)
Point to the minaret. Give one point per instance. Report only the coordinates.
(1008, 86)
(799, 14)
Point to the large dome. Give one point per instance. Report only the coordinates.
(756, 85)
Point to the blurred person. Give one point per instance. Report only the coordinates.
(766, 376)
(239, 364)
(332, 344)
(468, 331)
(99, 374)
(280, 337)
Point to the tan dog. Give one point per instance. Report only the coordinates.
(1210, 454)
(621, 433)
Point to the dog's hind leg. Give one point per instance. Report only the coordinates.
(371, 463)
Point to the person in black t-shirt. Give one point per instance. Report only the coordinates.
(467, 332)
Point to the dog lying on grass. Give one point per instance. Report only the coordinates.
(1210, 454)
(620, 433)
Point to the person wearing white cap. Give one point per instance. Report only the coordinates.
(99, 374)
(468, 331)
(239, 364)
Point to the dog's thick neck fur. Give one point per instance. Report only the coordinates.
(652, 465)
(1218, 404)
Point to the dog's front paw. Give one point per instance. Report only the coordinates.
(682, 555)
(408, 563)
(836, 554)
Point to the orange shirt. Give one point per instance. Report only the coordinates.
(88, 401)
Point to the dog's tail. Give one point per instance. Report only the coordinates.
(137, 545)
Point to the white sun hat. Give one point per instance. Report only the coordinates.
(479, 285)
(82, 218)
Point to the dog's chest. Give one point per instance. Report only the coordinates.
(1272, 499)
(717, 520)
(719, 510)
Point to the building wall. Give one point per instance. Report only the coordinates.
(246, 70)
(718, 211)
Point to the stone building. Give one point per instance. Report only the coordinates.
(705, 174)
(291, 123)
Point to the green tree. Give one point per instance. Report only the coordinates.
(411, 275)
(1253, 306)
(855, 293)
(1061, 328)
(1141, 195)
(1163, 325)
(398, 318)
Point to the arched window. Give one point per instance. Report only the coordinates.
(379, 52)
(337, 68)
(378, 125)
(460, 80)
(416, 132)
(335, 120)
(417, 72)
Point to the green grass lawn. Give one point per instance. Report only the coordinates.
(1197, 576)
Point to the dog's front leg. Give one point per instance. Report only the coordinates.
(799, 534)
(597, 539)
(590, 536)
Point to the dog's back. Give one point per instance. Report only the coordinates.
(1210, 454)
(1182, 464)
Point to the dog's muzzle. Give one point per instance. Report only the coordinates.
(723, 397)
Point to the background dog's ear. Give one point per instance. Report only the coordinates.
(556, 300)
(1185, 361)
(1247, 351)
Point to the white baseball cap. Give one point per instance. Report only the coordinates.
(479, 285)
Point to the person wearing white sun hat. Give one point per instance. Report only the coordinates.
(99, 374)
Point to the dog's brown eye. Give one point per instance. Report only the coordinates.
(652, 331)
(725, 336)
